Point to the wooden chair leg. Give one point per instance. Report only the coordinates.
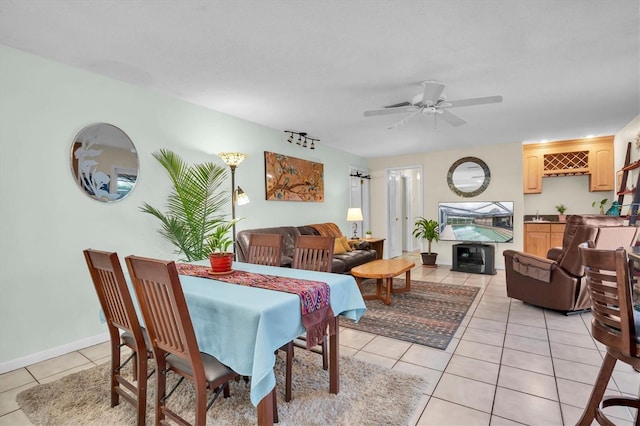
(115, 363)
(325, 353)
(599, 388)
(275, 405)
(288, 374)
(141, 394)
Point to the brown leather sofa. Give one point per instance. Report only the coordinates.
(341, 264)
(555, 282)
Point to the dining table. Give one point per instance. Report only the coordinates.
(244, 326)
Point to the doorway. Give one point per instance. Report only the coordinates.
(404, 205)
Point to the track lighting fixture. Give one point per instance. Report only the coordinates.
(303, 140)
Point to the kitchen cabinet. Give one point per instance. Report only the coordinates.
(540, 237)
(593, 157)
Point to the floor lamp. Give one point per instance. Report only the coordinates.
(233, 160)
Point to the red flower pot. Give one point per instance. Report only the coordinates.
(221, 262)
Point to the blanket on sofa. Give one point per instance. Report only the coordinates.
(314, 296)
(328, 229)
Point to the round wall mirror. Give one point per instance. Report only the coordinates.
(468, 177)
(104, 162)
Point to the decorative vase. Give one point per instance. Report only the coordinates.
(221, 262)
(562, 218)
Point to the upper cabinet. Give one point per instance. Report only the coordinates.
(569, 158)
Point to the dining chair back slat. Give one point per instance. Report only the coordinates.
(120, 315)
(265, 249)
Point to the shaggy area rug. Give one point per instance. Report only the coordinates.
(428, 315)
(369, 395)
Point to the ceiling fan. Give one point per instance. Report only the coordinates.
(432, 101)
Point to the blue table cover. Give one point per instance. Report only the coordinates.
(244, 326)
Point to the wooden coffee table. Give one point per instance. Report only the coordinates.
(383, 270)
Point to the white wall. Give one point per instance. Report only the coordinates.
(506, 185)
(47, 302)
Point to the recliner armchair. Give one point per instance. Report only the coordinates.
(555, 282)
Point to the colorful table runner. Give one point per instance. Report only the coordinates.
(314, 295)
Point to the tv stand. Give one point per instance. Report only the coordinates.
(474, 258)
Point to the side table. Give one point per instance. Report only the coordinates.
(376, 243)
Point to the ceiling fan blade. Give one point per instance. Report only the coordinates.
(452, 118)
(471, 101)
(401, 104)
(404, 120)
(432, 92)
(384, 111)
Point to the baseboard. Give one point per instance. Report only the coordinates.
(52, 353)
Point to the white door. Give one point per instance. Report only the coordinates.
(394, 215)
(404, 204)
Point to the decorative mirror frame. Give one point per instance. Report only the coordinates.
(98, 177)
(485, 183)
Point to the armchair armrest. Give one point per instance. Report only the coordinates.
(532, 266)
(554, 253)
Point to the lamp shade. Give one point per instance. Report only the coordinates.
(241, 197)
(354, 214)
(232, 159)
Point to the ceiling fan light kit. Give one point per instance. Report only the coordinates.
(432, 101)
(303, 140)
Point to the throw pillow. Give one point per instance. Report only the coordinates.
(345, 243)
(338, 248)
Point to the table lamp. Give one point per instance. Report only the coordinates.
(354, 215)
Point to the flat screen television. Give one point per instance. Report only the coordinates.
(476, 221)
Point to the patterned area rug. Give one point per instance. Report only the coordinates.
(428, 315)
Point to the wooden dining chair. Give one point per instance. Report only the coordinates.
(313, 253)
(265, 249)
(610, 288)
(175, 348)
(120, 314)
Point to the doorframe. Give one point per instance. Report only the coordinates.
(416, 193)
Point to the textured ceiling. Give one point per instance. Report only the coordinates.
(565, 68)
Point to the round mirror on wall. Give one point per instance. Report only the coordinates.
(104, 162)
(468, 177)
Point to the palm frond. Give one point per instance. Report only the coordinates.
(194, 205)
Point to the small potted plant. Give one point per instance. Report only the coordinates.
(561, 209)
(218, 244)
(368, 234)
(427, 229)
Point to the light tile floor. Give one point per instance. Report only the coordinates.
(508, 364)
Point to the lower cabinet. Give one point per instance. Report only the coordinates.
(540, 237)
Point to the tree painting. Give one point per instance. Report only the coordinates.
(293, 179)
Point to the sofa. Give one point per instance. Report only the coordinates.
(343, 260)
(557, 281)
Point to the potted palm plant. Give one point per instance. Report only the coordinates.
(427, 229)
(193, 222)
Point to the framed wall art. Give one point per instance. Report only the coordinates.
(293, 179)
